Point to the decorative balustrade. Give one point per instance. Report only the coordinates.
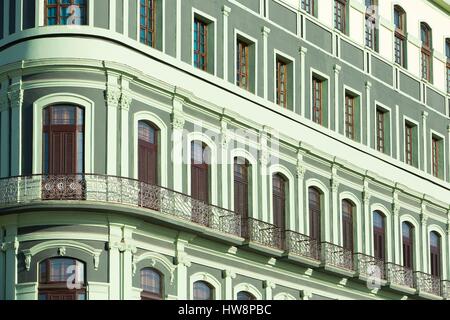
(262, 233)
(400, 275)
(111, 189)
(446, 289)
(427, 283)
(369, 267)
(337, 256)
(302, 245)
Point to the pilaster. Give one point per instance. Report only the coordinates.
(368, 86)
(10, 246)
(125, 103)
(302, 211)
(182, 262)
(337, 70)
(228, 276)
(225, 12)
(424, 237)
(304, 77)
(177, 140)
(397, 232)
(264, 172)
(425, 142)
(334, 233)
(265, 34)
(15, 95)
(367, 219)
(112, 96)
(225, 164)
(269, 286)
(4, 133)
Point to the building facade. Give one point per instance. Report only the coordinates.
(224, 149)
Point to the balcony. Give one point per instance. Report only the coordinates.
(427, 285)
(370, 268)
(302, 248)
(400, 278)
(117, 190)
(262, 233)
(337, 259)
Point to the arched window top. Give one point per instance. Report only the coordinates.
(314, 194)
(347, 208)
(241, 168)
(378, 219)
(66, 12)
(425, 35)
(147, 132)
(279, 182)
(399, 18)
(200, 152)
(435, 239)
(59, 270)
(63, 115)
(245, 295)
(151, 284)
(407, 230)
(203, 291)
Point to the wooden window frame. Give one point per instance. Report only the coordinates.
(400, 36)
(342, 5)
(447, 49)
(381, 135)
(435, 264)
(347, 220)
(435, 151)
(370, 31)
(211, 288)
(58, 5)
(282, 83)
(350, 117)
(147, 295)
(317, 110)
(243, 70)
(243, 181)
(200, 166)
(149, 146)
(409, 144)
(377, 231)
(279, 218)
(150, 24)
(202, 48)
(315, 211)
(408, 247)
(426, 51)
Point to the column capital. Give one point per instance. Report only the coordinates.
(112, 96)
(178, 121)
(182, 259)
(368, 85)
(396, 208)
(122, 246)
(125, 100)
(337, 68)
(265, 31)
(423, 219)
(301, 170)
(366, 196)
(424, 114)
(226, 11)
(269, 284)
(303, 50)
(448, 128)
(16, 98)
(228, 273)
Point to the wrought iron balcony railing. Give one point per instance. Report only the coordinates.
(400, 275)
(427, 283)
(369, 267)
(337, 256)
(302, 245)
(111, 189)
(261, 232)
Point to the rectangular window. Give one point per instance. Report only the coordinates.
(317, 115)
(242, 67)
(381, 145)
(350, 117)
(282, 78)
(65, 12)
(147, 14)
(371, 32)
(399, 50)
(426, 65)
(435, 156)
(448, 76)
(409, 144)
(200, 44)
(340, 8)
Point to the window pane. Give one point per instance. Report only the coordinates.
(202, 291)
(151, 281)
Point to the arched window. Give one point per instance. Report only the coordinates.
(347, 224)
(407, 237)
(148, 136)
(203, 291)
(65, 12)
(427, 43)
(379, 235)
(371, 20)
(400, 35)
(62, 279)
(435, 253)
(314, 213)
(200, 171)
(151, 284)
(241, 189)
(63, 152)
(245, 295)
(279, 201)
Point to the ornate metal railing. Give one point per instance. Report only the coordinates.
(262, 233)
(119, 190)
(369, 266)
(337, 256)
(427, 283)
(302, 245)
(400, 275)
(446, 289)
